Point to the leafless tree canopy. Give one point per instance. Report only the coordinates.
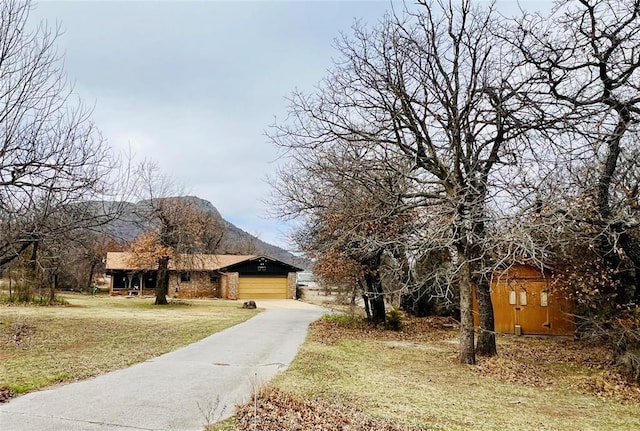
(51, 155)
(429, 93)
(511, 140)
(177, 225)
(583, 65)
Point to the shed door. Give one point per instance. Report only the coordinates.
(531, 306)
(263, 287)
(503, 308)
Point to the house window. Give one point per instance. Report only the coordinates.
(185, 277)
(119, 282)
(512, 297)
(213, 278)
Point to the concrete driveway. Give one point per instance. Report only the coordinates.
(182, 390)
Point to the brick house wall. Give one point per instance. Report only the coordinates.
(292, 279)
(232, 285)
(224, 286)
(199, 284)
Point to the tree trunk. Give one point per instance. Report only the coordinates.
(374, 289)
(354, 293)
(32, 279)
(367, 309)
(92, 270)
(53, 283)
(479, 268)
(631, 249)
(467, 336)
(486, 345)
(365, 297)
(162, 284)
(606, 247)
(375, 293)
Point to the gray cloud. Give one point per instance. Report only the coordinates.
(193, 85)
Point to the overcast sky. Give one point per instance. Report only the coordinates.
(194, 85)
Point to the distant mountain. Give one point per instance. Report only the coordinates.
(235, 240)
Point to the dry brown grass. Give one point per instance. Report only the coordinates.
(413, 379)
(333, 301)
(41, 346)
(274, 410)
(562, 362)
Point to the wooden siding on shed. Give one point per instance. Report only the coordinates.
(522, 296)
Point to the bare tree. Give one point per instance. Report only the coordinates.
(348, 199)
(433, 88)
(178, 227)
(586, 65)
(51, 155)
(584, 75)
(82, 258)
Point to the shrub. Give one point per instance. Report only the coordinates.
(620, 333)
(394, 320)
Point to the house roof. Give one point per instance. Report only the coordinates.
(261, 260)
(183, 262)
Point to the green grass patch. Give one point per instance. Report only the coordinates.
(6, 299)
(345, 320)
(225, 425)
(40, 346)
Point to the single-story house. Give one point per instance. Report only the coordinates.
(205, 275)
(524, 303)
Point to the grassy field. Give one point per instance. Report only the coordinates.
(413, 379)
(41, 346)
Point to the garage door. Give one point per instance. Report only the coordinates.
(263, 288)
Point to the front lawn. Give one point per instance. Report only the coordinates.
(347, 375)
(41, 346)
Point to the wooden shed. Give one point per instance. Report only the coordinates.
(206, 275)
(524, 303)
